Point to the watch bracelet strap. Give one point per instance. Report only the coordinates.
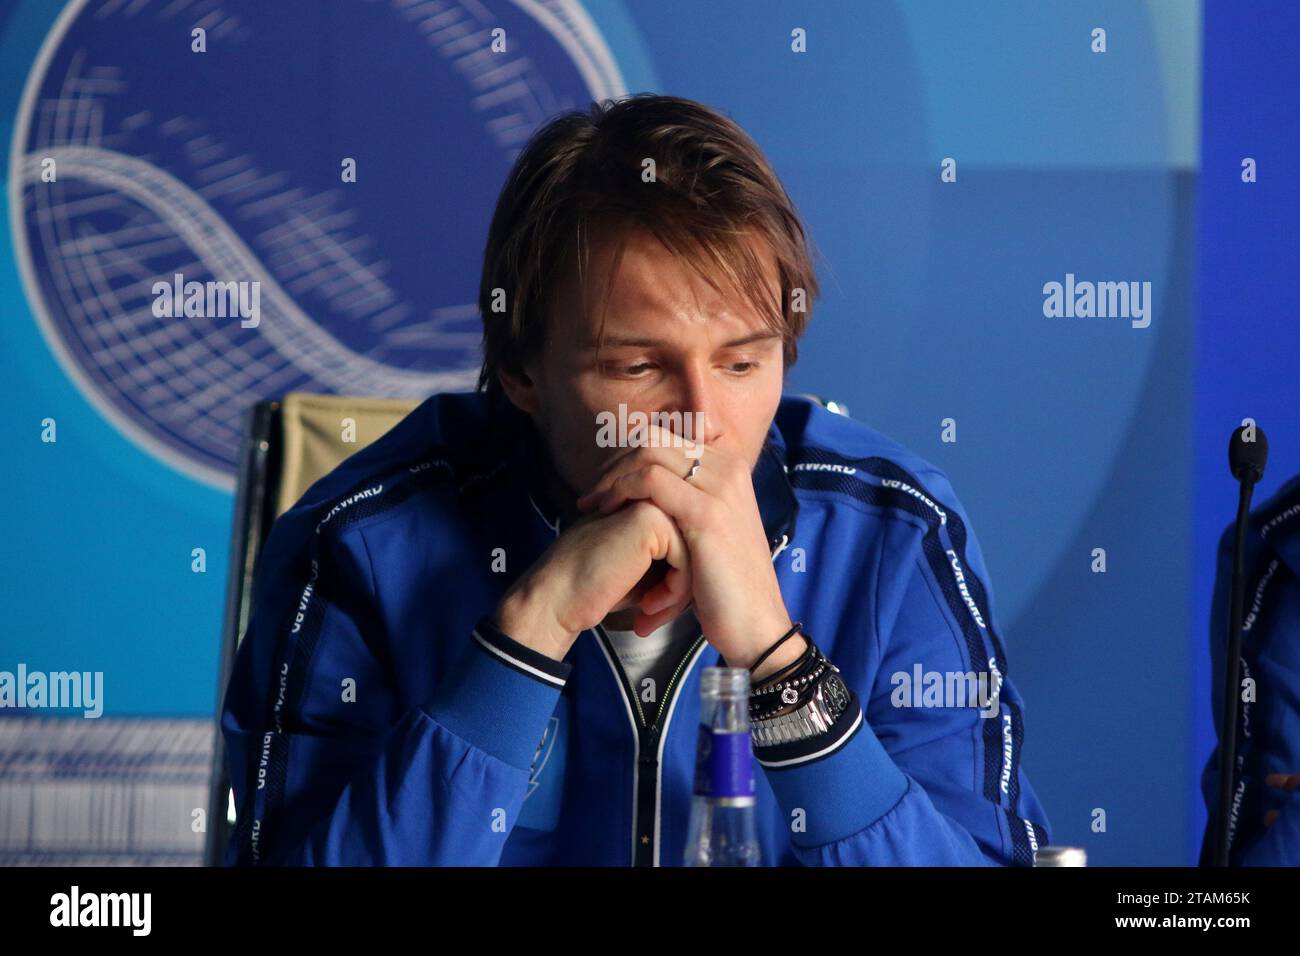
(804, 723)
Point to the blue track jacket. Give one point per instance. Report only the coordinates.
(1268, 729)
(375, 715)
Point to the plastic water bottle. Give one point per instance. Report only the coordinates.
(1047, 856)
(722, 829)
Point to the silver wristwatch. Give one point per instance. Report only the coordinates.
(815, 717)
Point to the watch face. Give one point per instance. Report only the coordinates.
(835, 693)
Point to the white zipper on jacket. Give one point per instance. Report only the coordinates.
(625, 689)
(638, 730)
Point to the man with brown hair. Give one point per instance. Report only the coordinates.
(524, 583)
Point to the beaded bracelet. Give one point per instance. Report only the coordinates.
(797, 668)
(765, 721)
(796, 689)
(808, 686)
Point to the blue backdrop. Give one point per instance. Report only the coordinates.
(1072, 434)
(1248, 327)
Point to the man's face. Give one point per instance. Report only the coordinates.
(662, 352)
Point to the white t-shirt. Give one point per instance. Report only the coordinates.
(657, 654)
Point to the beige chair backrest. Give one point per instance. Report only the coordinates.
(313, 432)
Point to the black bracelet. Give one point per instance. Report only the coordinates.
(771, 707)
(784, 637)
(802, 680)
(813, 685)
(795, 680)
(796, 668)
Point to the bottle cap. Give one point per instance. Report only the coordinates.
(1060, 856)
(725, 681)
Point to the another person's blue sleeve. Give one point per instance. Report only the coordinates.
(1268, 728)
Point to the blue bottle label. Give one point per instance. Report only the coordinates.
(724, 764)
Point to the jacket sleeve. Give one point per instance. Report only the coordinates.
(1268, 724)
(895, 784)
(329, 769)
(1276, 845)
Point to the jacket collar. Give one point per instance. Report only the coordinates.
(530, 461)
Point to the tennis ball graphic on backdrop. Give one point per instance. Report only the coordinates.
(340, 160)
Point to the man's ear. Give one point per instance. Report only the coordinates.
(520, 388)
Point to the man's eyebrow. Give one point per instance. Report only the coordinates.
(627, 341)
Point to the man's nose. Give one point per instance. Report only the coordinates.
(698, 405)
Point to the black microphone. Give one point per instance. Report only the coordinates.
(1246, 459)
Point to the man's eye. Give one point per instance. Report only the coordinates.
(635, 371)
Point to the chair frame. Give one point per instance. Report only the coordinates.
(258, 477)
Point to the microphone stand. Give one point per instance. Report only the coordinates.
(1247, 474)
